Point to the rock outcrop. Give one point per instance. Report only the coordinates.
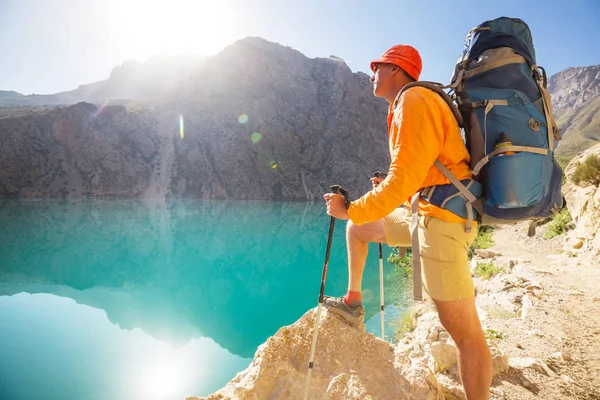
(366, 368)
(583, 203)
(352, 364)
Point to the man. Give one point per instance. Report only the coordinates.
(421, 129)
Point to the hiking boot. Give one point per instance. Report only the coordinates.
(337, 305)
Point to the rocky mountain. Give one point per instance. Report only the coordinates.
(77, 151)
(131, 81)
(576, 103)
(257, 121)
(290, 124)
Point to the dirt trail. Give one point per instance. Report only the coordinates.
(564, 318)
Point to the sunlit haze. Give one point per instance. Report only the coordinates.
(169, 27)
(53, 46)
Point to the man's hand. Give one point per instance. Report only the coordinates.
(376, 181)
(335, 206)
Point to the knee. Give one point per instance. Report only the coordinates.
(365, 233)
(453, 328)
(464, 334)
(353, 231)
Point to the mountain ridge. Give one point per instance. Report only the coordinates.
(259, 121)
(575, 95)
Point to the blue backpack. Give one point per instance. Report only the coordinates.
(498, 95)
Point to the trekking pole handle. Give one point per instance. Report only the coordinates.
(378, 174)
(337, 189)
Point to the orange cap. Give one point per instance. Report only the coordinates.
(404, 56)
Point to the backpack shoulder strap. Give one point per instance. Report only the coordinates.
(439, 89)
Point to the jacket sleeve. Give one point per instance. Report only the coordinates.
(415, 142)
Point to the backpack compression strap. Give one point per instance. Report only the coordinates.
(551, 126)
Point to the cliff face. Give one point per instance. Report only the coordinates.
(257, 121)
(264, 122)
(77, 151)
(576, 103)
(573, 87)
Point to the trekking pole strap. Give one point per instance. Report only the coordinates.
(416, 253)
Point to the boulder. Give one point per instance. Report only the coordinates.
(348, 364)
(486, 253)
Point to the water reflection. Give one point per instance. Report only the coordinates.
(64, 350)
(211, 280)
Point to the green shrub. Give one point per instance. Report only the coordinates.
(404, 263)
(486, 270)
(564, 161)
(483, 239)
(558, 225)
(406, 324)
(588, 172)
(492, 334)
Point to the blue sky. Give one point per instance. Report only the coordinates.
(55, 45)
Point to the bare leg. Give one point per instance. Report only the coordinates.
(475, 363)
(358, 238)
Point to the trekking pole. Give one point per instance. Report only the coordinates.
(377, 174)
(335, 189)
(381, 290)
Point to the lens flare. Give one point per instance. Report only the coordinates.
(181, 126)
(255, 137)
(242, 119)
(100, 109)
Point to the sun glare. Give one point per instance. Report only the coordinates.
(144, 28)
(160, 381)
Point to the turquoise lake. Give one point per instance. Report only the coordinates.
(124, 299)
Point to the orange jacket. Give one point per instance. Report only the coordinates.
(421, 129)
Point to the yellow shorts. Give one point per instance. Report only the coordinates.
(444, 253)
